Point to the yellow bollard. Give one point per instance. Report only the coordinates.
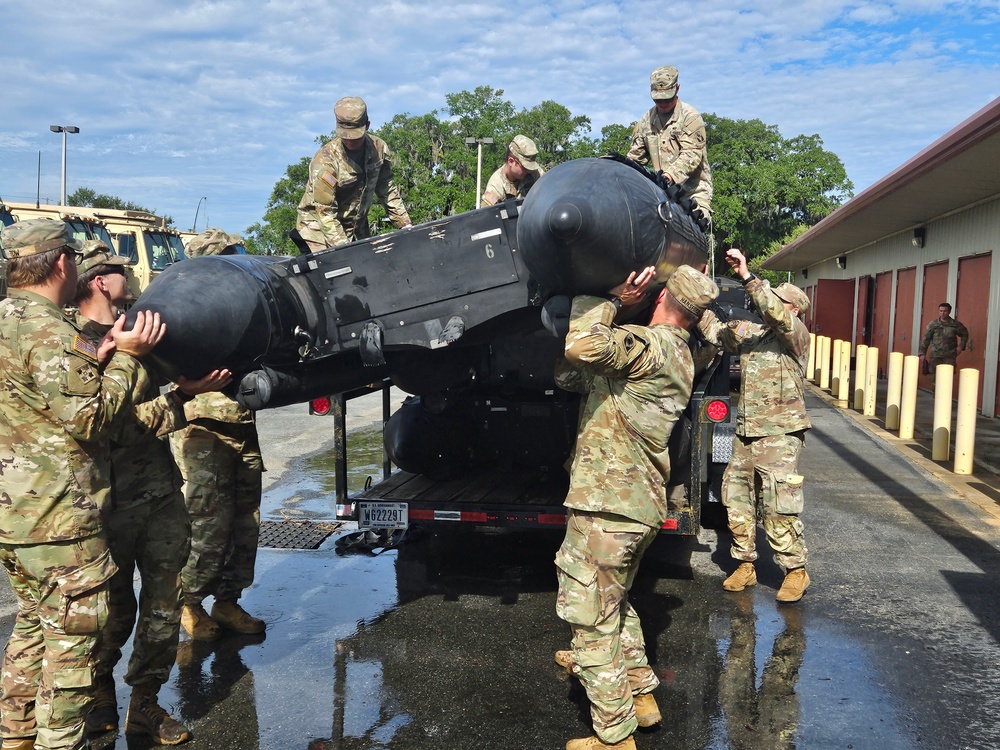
(871, 381)
(861, 356)
(824, 363)
(944, 383)
(908, 397)
(844, 385)
(965, 424)
(811, 366)
(894, 390)
(835, 368)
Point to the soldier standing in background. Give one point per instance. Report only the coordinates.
(345, 177)
(518, 173)
(219, 457)
(670, 137)
(638, 381)
(147, 524)
(60, 397)
(771, 423)
(940, 343)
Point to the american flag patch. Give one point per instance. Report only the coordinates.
(742, 328)
(81, 345)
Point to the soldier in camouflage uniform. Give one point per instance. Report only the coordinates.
(638, 380)
(147, 523)
(771, 423)
(940, 344)
(515, 178)
(670, 137)
(345, 177)
(219, 457)
(60, 397)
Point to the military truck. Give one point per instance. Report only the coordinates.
(465, 314)
(142, 237)
(84, 227)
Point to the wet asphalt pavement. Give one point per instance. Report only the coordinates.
(447, 641)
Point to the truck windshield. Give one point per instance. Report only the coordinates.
(164, 249)
(84, 230)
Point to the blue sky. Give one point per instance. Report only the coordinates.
(189, 99)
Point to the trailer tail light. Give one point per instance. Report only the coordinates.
(717, 410)
(321, 406)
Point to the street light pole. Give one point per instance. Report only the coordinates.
(64, 129)
(194, 227)
(479, 165)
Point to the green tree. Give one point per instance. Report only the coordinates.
(756, 263)
(766, 185)
(615, 139)
(558, 134)
(431, 165)
(270, 236)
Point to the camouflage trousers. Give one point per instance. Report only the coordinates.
(153, 537)
(596, 566)
(48, 664)
(761, 481)
(934, 360)
(222, 494)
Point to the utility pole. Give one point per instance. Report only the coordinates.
(64, 129)
(479, 165)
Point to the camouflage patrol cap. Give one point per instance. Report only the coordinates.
(96, 253)
(525, 151)
(793, 295)
(211, 242)
(663, 82)
(352, 117)
(36, 236)
(693, 290)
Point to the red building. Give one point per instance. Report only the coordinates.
(877, 268)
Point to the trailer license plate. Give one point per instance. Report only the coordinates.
(383, 516)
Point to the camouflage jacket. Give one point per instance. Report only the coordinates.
(334, 208)
(144, 468)
(676, 146)
(773, 359)
(233, 424)
(636, 381)
(941, 338)
(56, 411)
(499, 188)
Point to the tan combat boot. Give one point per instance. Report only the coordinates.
(145, 716)
(743, 576)
(795, 585)
(594, 743)
(19, 743)
(197, 623)
(232, 616)
(565, 660)
(647, 713)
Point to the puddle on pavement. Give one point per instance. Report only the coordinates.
(448, 641)
(308, 490)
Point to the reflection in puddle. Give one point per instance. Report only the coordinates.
(308, 489)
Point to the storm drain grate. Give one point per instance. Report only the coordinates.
(295, 534)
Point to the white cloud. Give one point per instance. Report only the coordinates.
(202, 98)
